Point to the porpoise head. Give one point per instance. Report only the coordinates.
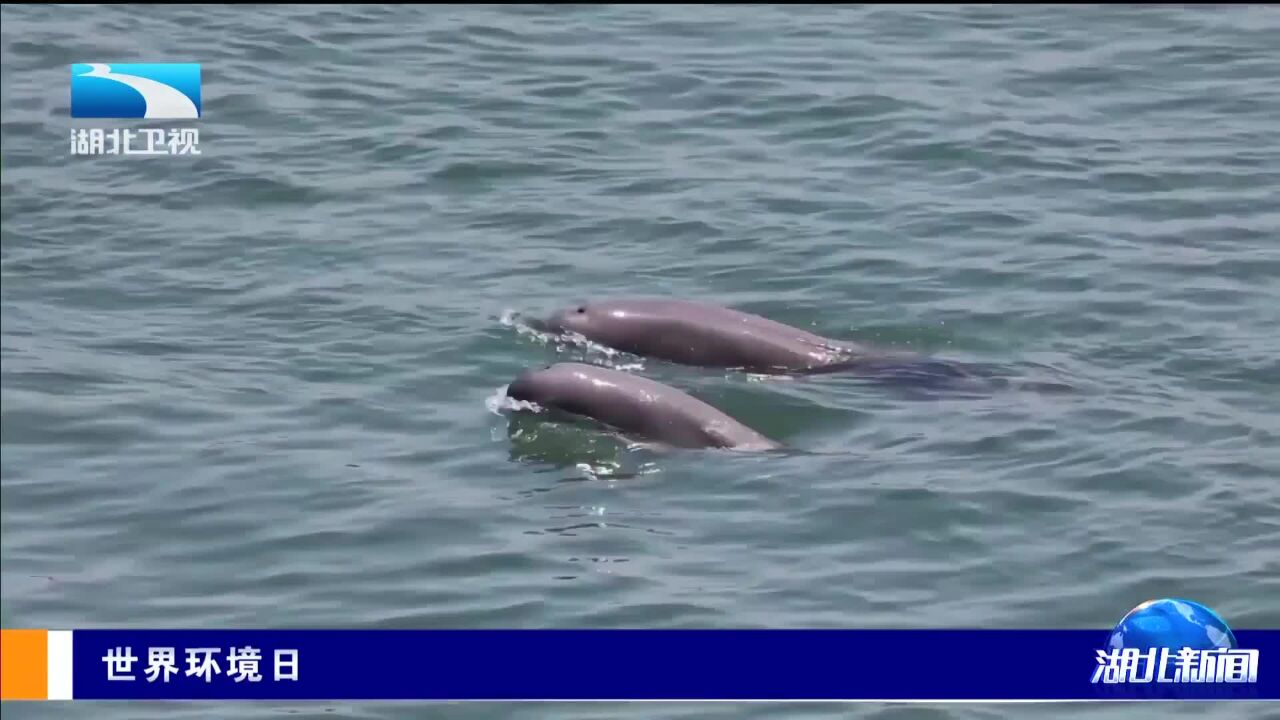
(611, 323)
(565, 387)
(562, 384)
(571, 319)
(530, 385)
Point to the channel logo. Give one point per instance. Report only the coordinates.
(153, 91)
(1173, 640)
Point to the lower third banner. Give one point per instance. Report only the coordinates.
(837, 665)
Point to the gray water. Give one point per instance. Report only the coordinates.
(254, 387)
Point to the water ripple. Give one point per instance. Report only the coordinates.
(260, 386)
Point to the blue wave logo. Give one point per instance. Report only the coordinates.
(153, 91)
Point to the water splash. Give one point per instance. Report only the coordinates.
(603, 470)
(499, 403)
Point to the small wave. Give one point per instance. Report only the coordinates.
(603, 470)
(508, 317)
(498, 403)
(512, 319)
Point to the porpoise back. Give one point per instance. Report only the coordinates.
(701, 334)
(636, 405)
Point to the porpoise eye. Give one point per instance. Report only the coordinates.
(581, 310)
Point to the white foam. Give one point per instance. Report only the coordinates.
(498, 403)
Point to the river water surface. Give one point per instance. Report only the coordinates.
(255, 387)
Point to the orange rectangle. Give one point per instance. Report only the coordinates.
(24, 664)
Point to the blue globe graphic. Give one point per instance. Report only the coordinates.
(1172, 623)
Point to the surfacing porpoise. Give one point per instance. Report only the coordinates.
(706, 335)
(635, 405)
